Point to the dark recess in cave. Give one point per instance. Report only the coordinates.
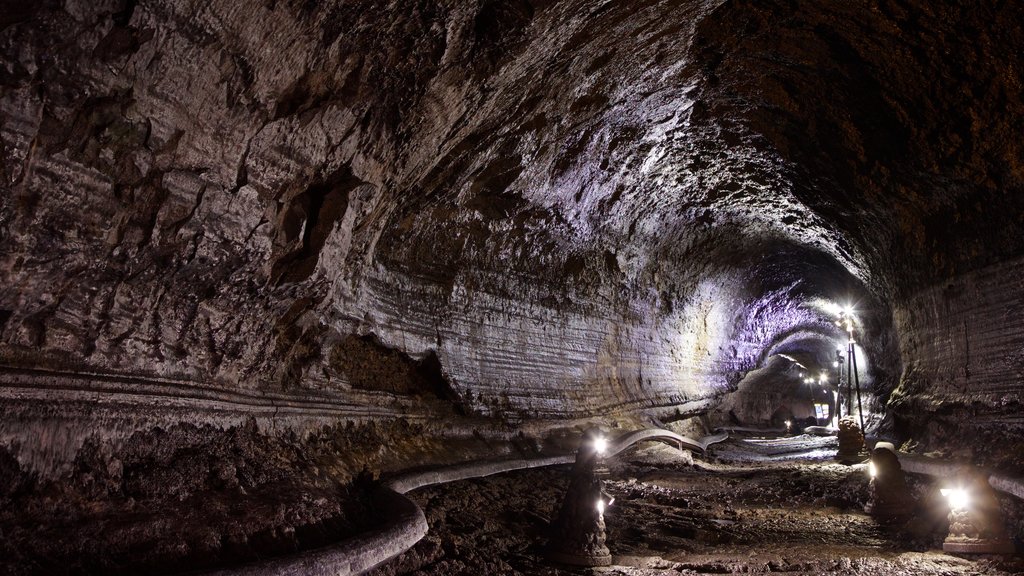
(308, 220)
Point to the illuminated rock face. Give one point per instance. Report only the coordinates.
(889, 498)
(577, 535)
(962, 344)
(521, 209)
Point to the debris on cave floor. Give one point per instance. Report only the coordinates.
(181, 499)
(744, 508)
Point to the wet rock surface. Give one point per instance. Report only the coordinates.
(740, 512)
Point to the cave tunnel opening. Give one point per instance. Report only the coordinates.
(786, 304)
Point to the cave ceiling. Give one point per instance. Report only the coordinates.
(225, 191)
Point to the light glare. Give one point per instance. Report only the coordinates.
(872, 471)
(600, 444)
(600, 506)
(957, 498)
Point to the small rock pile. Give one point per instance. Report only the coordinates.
(851, 441)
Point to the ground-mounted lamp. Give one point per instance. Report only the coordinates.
(578, 534)
(889, 499)
(975, 519)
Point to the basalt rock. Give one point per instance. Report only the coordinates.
(851, 441)
(312, 214)
(976, 525)
(578, 533)
(889, 498)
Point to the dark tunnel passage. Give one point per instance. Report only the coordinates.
(257, 256)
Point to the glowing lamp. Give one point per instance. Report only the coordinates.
(976, 523)
(872, 470)
(958, 498)
(578, 534)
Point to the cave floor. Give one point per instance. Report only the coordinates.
(754, 505)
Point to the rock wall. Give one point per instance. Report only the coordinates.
(208, 201)
(525, 210)
(963, 349)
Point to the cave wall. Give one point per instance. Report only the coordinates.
(207, 200)
(963, 351)
(572, 209)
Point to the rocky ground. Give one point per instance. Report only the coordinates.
(754, 506)
(194, 497)
(180, 499)
(188, 499)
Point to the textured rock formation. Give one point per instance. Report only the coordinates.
(355, 211)
(851, 441)
(577, 535)
(889, 499)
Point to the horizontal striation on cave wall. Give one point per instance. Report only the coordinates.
(544, 210)
(523, 357)
(49, 415)
(962, 344)
(510, 359)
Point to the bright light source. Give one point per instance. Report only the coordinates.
(600, 444)
(835, 363)
(788, 424)
(872, 471)
(824, 377)
(957, 497)
(600, 506)
(848, 310)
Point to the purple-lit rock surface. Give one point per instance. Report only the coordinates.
(335, 220)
